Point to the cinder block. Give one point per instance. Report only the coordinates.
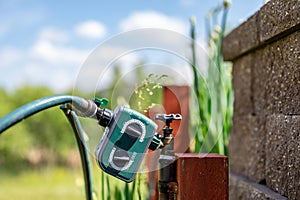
(282, 155)
(256, 149)
(293, 126)
(202, 176)
(291, 73)
(277, 17)
(242, 86)
(272, 21)
(276, 154)
(241, 39)
(260, 78)
(242, 188)
(274, 91)
(283, 89)
(264, 144)
(247, 147)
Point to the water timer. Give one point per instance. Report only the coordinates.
(125, 141)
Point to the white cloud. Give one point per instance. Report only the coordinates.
(98, 68)
(45, 64)
(152, 19)
(49, 61)
(58, 78)
(53, 34)
(54, 58)
(9, 56)
(51, 47)
(158, 49)
(50, 52)
(91, 29)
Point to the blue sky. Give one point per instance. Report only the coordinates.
(46, 42)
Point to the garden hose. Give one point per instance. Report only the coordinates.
(85, 108)
(79, 135)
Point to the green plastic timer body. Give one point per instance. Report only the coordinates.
(124, 143)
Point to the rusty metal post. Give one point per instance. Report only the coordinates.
(202, 176)
(176, 100)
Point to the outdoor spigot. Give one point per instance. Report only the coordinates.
(159, 141)
(167, 176)
(168, 118)
(167, 130)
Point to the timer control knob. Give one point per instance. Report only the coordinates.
(134, 130)
(121, 158)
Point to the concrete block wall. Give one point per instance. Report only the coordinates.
(264, 146)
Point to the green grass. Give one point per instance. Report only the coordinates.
(107, 187)
(51, 183)
(213, 92)
(61, 183)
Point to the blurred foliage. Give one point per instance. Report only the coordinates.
(57, 183)
(148, 94)
(212, 121)
(139, 93)
(45, 137)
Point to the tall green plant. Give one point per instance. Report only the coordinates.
(112, 188)
(214, 91)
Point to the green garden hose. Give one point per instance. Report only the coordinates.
(84, 107)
